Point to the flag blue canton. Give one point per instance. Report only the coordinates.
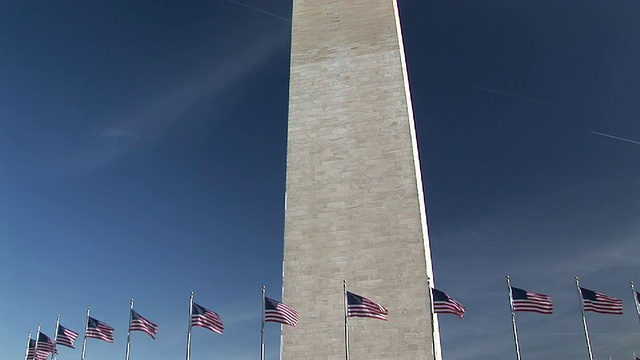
(66, 337)
(203, 317)
(443, 304)
(524, 300)
(45, 346)
(600, 303)
(275, 311)
(360, 306)
(140, 323)
(99, 330)
(31, 350)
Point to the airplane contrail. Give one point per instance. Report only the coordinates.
(515, 96)
(259, 10)
(616, 137)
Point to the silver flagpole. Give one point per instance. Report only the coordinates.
(189, 331)
(26, 352)
(584, 319)
(634, 355)
(433, 314)
(513, 320)
(129, 329)
(86, 324)
(264, 290)
(635, 299)
(35, 346)
(346, 320)
(55, 340)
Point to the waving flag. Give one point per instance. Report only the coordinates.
(31, 351)
(139, 323)
(600, 303)
(524, 300)
(203, 317)
(275, 311)
(99, 330)
(360, 306)
(443, 304)
(45, 346)
(66, 337)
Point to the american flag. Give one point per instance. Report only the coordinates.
(276, 311)
(600, 303)
(203, 317)
(45, 346)
(443, 304)
(31, 350)
(139, 323)
(33, 353)
(360, 306)
(638, 298)
(524, 300)
(66, 337)
(99, 330)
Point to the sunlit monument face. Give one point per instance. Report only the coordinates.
(354, 207)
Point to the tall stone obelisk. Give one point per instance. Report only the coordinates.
(355, 205)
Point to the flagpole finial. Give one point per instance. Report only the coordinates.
(192, 293)
(577, 278)
(508, 277)
(264, 287)
(631, 282)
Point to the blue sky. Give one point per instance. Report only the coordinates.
(142, 154)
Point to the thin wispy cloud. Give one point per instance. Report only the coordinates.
(121, 133)
(615, 137)
(259, 10)
(242, 316)
(512, 95)
(155, 115)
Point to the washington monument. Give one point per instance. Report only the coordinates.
(354, 198)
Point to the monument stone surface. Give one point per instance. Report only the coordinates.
(354, 198)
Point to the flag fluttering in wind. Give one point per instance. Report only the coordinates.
(600, 303)
(443, 304)
(636, 300)
(524, 300)
(99, 330)
(66, 337)
(140, 323)
(31, 350)
(44, 347)
(360, 306)
(203, 317)
(275, 311)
